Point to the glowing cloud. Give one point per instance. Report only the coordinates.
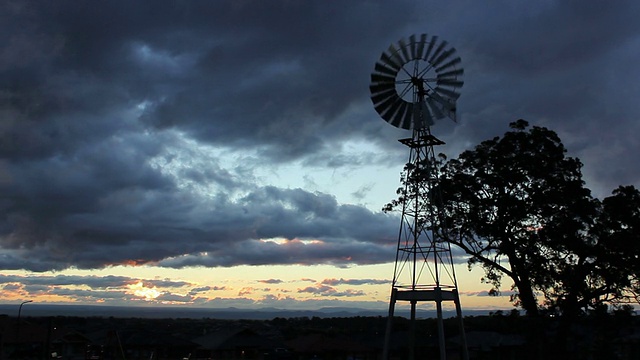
(143, 292)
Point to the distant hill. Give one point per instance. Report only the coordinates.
(39, 310)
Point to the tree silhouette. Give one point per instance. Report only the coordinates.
(518, 206)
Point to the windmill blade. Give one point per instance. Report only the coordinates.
(435, 109)
(434, 39)
(381, 88)
(447, 106)
(382, 79)
(408, 116)
(449, 64)
(387, 106)
(428, 118)
(413, 44)
(443, 103)
(378, 88)
(396, 117)
(450, 82)
(393, 107)
(383, 100)
(421, 44)
(389, 116)
(447, 93)
(396, 56)
(392, 118)
(384, 69)
(405, 119)
(451, 73)
(390, 62)
(405, 51)
(437, 52)
(382, 96)
(446, 54)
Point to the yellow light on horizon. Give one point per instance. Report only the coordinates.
(146, 293)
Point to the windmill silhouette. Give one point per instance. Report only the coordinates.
(414, 84)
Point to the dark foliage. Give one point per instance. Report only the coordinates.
(518, 206)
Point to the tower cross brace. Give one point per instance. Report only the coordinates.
(424, 268)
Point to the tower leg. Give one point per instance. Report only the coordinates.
(441, 344)
(387, 334)
(463, 336)
(412, 333)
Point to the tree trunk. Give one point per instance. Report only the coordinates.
(522, 281)
(526, 295)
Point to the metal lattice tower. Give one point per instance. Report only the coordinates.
(415, 83)
(424, 269)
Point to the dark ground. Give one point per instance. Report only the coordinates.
(497, 336)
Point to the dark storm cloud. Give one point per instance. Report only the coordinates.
(561, 64)
(106, 112)
(91, 93)
(225, 72)
(94, 282)
(315, 227)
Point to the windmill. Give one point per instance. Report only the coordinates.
(414, 84)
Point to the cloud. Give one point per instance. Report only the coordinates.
(90, 295)
(94, 282)
(174, 298)
(165, 283)
(271, 281)
(341, 281)
(319, 289)
(75, 288)
(202, 289)
(246, 291)
(350, 293)
(487, 293)
(12, 287)
(104, 138)
(324, 290)
(172, 139)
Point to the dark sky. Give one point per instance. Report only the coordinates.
(171, 132)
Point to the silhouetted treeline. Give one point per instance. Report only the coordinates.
(497, 336)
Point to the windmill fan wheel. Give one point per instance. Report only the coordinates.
(416, 82)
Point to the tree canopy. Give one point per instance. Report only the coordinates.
(518, 206)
